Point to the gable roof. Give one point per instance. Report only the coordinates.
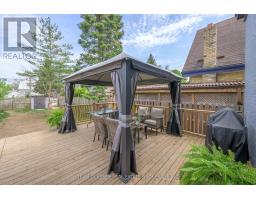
(99, 74)
(230, 45)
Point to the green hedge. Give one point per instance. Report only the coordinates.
(204, 167)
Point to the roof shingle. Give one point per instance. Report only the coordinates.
(230, 45)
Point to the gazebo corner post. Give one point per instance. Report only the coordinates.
(174, 122)
(123, 159)
(68, 123)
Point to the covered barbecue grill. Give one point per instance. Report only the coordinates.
(226, 130)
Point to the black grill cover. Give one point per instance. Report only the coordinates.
(226, 130)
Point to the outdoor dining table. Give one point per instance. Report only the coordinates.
(137, 127)
(106, 112)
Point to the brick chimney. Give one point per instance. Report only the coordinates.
(210, 47)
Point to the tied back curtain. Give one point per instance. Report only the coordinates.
(68, 123)
(122, 160)
(173, 125)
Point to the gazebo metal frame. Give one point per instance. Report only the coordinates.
(124, 73)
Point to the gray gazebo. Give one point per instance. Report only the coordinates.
(124, 73)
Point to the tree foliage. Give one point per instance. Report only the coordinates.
(51, 59)
(205, 167)
(96, 93)
(151, 60)
(82, 92)
(100, 38)
(178, 72)
(4, 89)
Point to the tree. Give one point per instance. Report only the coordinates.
(178, 72)
(51, 59)
(96, 93)
(82, 92)
(4, 89)
(151, 60)
(100, 38)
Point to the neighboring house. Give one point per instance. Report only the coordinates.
(26, 87)
(14, 94)
(215, 67)
(215, 64)
(217, 53)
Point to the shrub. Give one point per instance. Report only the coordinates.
(4, 89)
(204, 167)
(3, 115)
(54, 117)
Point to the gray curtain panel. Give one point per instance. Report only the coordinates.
(68, 123)
(174, 125)
(122, 159)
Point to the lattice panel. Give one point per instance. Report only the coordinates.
(215, 98)
(186, 98)
(149, 97)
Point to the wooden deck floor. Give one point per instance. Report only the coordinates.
(51, 158)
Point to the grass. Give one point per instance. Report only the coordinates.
(3, 115)
(36, 111)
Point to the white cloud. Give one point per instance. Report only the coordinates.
(162, 32)
(170, 61)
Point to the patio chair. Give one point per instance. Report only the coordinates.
(111, 125)
(156, 119)
(100, 128)
(143, 113)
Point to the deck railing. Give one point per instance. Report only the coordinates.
(194, 121)
(82, 111)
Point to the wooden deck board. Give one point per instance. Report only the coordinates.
(49, 158)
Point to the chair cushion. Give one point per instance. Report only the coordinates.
(143, 110)
(150, 122)
(157, 113)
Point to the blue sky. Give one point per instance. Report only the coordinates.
(167, 37)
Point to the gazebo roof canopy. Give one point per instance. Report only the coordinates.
(99, 74)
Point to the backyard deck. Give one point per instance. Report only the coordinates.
(45, 157)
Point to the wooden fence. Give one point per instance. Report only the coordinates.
(15, 104)
(194, 118)
(80, 101)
